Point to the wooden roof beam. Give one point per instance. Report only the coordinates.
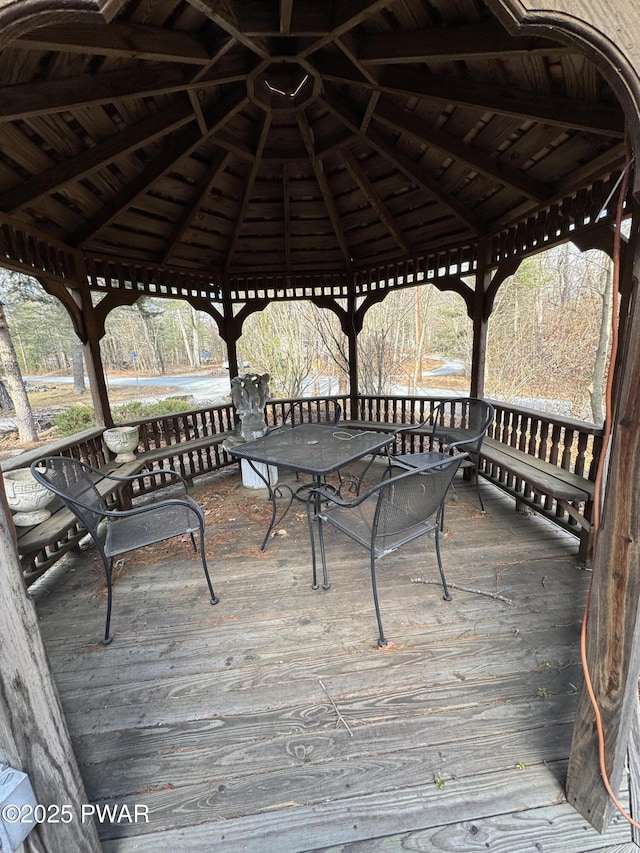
(98, 156)
(351, 14)
(503, 100)
(286, 199)
(248, 189)
(347, 44)
(286, 10)
(230, 22)
(480, 40)
(390, 114)
(318, 170)
(405, 164)
(119, 39)
(186, 143)
(376, 202)
(211, 175)
(50, 96)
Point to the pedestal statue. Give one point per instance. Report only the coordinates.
(249, 394)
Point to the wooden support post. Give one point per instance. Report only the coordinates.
(613, 636)
(33, 733)
(231, 332)
(353, 326)
(93, 333)
(479, 321)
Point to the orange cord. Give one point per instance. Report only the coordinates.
(596, 497)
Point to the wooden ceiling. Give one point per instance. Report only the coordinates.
(242, 136)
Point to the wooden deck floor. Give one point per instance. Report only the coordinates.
(271, 722)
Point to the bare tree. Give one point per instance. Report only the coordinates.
(77, 361)
(26, 424)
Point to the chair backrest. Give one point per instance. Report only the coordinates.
(70, 479)
(303, 412)
(462, 422)
(409, 499)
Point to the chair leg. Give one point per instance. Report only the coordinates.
(482, 509)
(214, 597)
(447, 594)
(108, 569)
(382, 640)
(193, 542)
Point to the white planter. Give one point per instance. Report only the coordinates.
(122, 441)
(252, 480)
(27, 497)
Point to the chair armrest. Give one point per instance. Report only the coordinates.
(327, 496)
(413, 427)
(186, 502)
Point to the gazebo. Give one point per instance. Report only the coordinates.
(232, 154)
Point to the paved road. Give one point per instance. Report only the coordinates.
(201, 387)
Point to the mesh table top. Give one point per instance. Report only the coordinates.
(316, 449)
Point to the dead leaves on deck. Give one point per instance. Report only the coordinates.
(236, 519)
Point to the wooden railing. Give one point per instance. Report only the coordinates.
(569, 444)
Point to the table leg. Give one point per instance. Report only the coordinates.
(273, 495)
(315, 500)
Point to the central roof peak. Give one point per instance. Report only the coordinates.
(283, 84)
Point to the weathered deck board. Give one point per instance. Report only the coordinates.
(216, 717)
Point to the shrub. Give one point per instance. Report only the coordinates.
(135, 410)
(74, 419)
(78, 418)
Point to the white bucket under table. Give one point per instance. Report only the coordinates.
(252, 480)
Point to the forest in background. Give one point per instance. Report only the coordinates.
(548, 337)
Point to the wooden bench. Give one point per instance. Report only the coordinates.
(542, 486)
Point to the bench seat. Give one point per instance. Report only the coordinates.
(538, 484)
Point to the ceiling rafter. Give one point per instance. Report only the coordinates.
(52, 96)
(503, 100)
(405, 164)
(253, 172)
(206, 184)
(376, 202)
(480, 40)
(181, 147)
(120, 39)
(349, 47)
(393, 116)
(99, 155)
(286, 203)
(321, 178)
(286, 10)
(224, 44)
(230, 23)
(351, 14)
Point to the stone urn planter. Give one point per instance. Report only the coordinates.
(122, 441)
(26, 497)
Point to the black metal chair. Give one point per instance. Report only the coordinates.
(457, 426)
(404, 505)
(74, 482)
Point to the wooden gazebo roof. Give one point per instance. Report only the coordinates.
(239, 139)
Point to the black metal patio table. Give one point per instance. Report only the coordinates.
(315, 449)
